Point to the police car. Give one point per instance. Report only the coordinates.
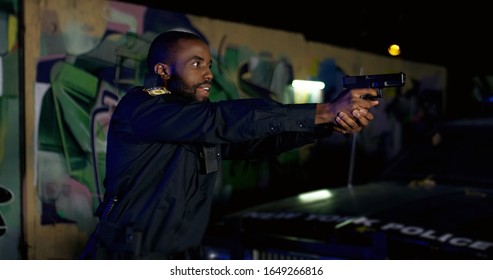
(435, 201)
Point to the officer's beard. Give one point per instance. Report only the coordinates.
(178, 86)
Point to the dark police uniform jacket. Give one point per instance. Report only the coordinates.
(162, 160)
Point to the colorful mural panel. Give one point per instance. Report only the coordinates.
(10, 173)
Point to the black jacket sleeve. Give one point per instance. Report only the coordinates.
(166, 118)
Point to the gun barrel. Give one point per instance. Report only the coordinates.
(375, 81)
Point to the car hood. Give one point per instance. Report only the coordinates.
(441, 218)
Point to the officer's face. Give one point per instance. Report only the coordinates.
(191, 73)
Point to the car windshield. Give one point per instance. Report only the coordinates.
(457, 152)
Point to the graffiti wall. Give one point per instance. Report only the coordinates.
(10, 173)
(92, 52)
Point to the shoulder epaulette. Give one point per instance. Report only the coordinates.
(157, 91)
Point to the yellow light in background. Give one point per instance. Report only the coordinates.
(394, 50)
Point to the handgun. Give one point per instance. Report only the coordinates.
(378, 81)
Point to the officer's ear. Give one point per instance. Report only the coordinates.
(162, 70)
